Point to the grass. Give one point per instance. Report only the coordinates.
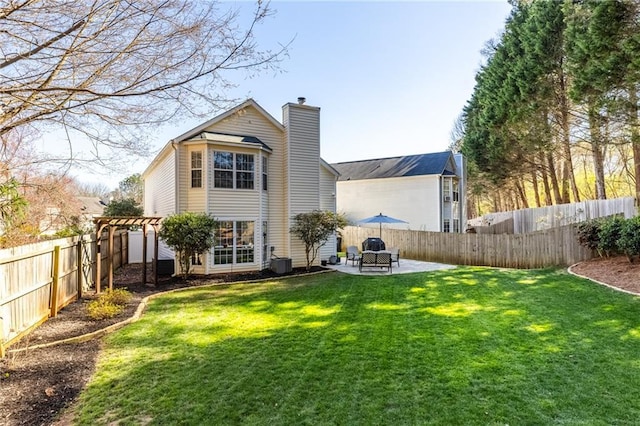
(465, 346)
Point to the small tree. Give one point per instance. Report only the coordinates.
(131, 187)
(188, 234)
(314, 229)
(126, 207)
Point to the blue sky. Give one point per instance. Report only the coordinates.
(390, 77)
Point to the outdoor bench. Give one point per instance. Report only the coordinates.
(375, 259)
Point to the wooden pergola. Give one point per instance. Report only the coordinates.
(113, 222)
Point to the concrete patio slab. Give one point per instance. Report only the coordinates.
(407, 266)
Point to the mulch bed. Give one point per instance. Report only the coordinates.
(36, 385)
(615, 271)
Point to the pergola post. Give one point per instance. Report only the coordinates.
(111, 233)
(144, 254)
(99, 227)
(113, 223)
(155, 255)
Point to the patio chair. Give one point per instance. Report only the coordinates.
(352, 255)
(395, 255)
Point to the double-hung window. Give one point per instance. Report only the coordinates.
(232, 170)
(446, 189)
(264, 173)
(244, 171)
(196, 169)
(223, 169)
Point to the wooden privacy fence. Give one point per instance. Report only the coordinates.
(541, 218)
(551, 247)
(37, 280)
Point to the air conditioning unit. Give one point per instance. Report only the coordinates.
(447, 198)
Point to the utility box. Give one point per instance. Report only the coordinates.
(166, 267)
(281, 265)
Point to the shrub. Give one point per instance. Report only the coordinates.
(119, 296)
(609, 235)
(588, 234)
(629, 242)
(102, 309)
(108, 304)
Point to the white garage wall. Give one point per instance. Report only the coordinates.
(414, 199)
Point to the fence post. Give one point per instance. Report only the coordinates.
(2, 349)
(55, 281)
(80, 266)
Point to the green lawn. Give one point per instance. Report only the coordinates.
(465, 346)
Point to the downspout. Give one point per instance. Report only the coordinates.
(440, 204)
(174, 145)
(205, 184)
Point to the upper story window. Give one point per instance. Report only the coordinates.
(233, 170)
(264, 173)
(196, 169)
(446, 189)
(456, 191)
(244, 171)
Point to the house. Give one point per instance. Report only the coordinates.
(78, 211)
(253, 174)
(427, 190)
(91, 207)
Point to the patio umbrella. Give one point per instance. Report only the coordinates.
(380, 218)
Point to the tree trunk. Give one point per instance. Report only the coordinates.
(521, 193)
(568, 174)
(554, 178)
(635, 139)
(536, 191)
(545, 182)
(595, 131)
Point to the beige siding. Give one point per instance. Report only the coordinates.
(413, 199)
(328, 202)
(256, 205)
(193, 199)
(159, 187)
(302, 136)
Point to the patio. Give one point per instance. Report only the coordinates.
(407, 266)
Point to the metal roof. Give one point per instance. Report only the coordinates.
(438, 163)
(224, 137)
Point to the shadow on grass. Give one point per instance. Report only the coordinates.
(471, 345)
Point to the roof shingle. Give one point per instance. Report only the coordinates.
(412, 165)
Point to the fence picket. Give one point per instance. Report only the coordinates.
(36, 280)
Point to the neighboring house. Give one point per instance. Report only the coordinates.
(426, 190)
(85, 209)
(253, 174)
(91, 207)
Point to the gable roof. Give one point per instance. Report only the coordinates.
(92, 205)
(248, 103)
(438, 163)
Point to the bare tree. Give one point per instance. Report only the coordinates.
(111, 68)
(92, 189)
